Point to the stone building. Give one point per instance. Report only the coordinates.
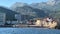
(43, 23)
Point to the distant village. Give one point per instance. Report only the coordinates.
(35, 22)
(9, 18)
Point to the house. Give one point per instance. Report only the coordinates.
(38, 22)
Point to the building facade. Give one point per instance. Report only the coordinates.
(2, 18)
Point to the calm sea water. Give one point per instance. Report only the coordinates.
(28, 31)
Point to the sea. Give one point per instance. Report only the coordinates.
(29, 31)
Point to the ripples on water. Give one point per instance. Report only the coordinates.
(28, 31)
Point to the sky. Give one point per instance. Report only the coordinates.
(8, 3)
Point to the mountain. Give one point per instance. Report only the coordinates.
(51, 8)
(18, 4)
(29, 11)
(53, 5)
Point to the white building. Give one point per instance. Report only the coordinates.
(2, 18)
(18, 17)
